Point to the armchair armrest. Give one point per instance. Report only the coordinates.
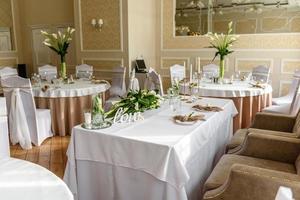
(274, 122)
(270, 132)
(270, 147)
(248, 183)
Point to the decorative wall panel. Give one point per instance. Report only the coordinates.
(168, 62)
(289, 66)
(109, 38)
(246, 65)
(12, 62)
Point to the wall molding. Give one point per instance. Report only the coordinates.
(188, 59)
(100, 50)
(281, 83)
(287, 60)
(10, 58)
(271, 60)
(102, 59)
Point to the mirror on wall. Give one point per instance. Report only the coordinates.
(6, 26)
(197, 17)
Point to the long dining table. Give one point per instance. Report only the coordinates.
(67, 102)
(152, 159)
(248, 98)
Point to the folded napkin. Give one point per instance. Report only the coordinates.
(100, 82)
(258, 85)
(189, 118)
(45, 88)
(207, 108)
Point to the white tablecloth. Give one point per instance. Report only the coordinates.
(27, 181)
(4, 140)
(237, 89)
(154, 159)
(77, 89)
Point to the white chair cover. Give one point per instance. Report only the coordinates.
(84, 71)
(47, 72)
(22, 112)
(118, 86)
(8, 71)
(284, 193)
(19, 130)
(133, 82)
(261, 73)
(287, 99)
(154, 82)
(289, 108)
(4, 139)
(177, 71)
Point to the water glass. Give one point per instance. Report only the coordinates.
(175, 103)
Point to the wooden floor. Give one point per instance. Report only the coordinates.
(51, 154)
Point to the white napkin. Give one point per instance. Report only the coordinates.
(284, 193)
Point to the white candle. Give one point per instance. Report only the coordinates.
(191, 73)
(88, 118)
(199, 65)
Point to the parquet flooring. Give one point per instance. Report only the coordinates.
(51, 154)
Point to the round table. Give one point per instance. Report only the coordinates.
(24, 180)
(67, 103)
(248, 99)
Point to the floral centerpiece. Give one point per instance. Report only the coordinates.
(59, 43)
(136, 101)
(222, 43)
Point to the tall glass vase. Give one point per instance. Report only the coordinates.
(222, 67)
(63, 67)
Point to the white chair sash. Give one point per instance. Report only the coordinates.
(19, 130)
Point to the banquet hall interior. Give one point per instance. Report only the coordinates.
(149, 99)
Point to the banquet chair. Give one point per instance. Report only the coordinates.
(268, 123)
(154, 82)
(26, 123)
(118, 86)
(289, 108)
(264, 163)
(133, 82)
(261, 73)
(84, 71)
(177, 71)
(47, 72)
(210, 70)
(8, 71)
(287, 99)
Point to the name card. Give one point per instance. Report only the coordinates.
(122, 117)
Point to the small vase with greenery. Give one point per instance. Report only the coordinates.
(59, 42)
(97, 110)
(222, 43)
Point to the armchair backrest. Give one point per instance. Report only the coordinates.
(296, 128)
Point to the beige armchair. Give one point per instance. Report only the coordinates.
(263, 164)
(268, 123)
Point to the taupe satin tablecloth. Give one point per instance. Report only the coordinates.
(68, 103)
(247, 108)
(66, 112)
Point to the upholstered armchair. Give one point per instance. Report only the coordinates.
(263, 164)
(268, 123)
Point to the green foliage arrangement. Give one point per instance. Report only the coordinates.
(136, 101)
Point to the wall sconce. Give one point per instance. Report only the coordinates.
(98, 24)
